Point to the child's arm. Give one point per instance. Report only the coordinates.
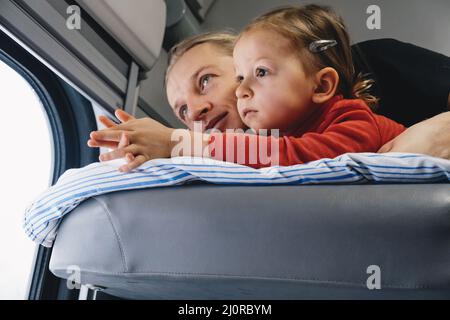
(345, 130)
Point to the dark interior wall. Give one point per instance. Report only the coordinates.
(424, 23)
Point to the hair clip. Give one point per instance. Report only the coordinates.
(321, 45)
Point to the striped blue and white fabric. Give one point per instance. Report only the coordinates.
(44, 215)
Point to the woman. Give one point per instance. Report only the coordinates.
(200, 86)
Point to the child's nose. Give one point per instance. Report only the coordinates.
(243, 92)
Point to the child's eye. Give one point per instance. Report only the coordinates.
(240, 79)
(182, 112)
(204, 80)
(260, 72)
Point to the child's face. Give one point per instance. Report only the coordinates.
(274, 90)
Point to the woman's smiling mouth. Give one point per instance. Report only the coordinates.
(217, 122)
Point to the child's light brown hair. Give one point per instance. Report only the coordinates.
(304, 25)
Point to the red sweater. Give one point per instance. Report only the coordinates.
(337, 127)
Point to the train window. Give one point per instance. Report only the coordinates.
(26, 165)
(46, 123)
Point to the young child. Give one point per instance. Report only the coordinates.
(296, 74)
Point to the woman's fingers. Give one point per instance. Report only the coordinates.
(107, 135)
(123, 116)
(118, 153)
(109, 139)
(138, 160)
(124, 140)
(129, 157)
(106, 121)
(102, 144)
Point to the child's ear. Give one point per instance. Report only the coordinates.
(326, 83)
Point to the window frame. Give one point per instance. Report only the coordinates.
(71, 118)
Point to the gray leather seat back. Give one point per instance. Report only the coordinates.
(285, 242)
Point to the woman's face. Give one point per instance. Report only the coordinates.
(201, 87)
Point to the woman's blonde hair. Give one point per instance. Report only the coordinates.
(304, 25)
(223, 40)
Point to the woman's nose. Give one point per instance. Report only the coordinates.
(197, 112)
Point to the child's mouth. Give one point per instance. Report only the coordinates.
(249, 112)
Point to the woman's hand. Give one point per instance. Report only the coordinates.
(430, 137)
(138, 140)
(123, 117)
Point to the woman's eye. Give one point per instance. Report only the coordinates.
(260, 72)
(182, 112)
(204, 80)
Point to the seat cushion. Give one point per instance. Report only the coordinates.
(267, 242)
